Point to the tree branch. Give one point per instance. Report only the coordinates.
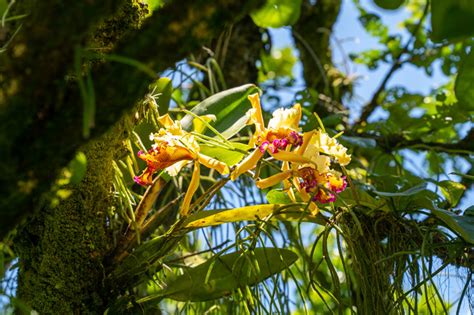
(397, 142)
(397, 64)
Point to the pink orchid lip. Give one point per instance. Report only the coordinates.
(139, 181)
(296, 139)
(319, 198)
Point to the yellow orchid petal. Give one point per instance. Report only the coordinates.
(146, 178)
(193, 186)
(246, 164)
(286, 183)
(313, 208)
(174, 169)
(199, 123)
(175, 154)
(330, 146)
(286, 118)
(303, 194)
(290, 157)
(273, 180)
(290, 192)
(256, 115)
(166, 121)
(306, 140)
(213, 163)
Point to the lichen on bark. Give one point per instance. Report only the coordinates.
(61, 249)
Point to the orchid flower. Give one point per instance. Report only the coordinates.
(310, 170)
(172, 150)
(282, 131)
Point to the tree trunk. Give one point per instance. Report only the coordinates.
(312, 35)
(62, 248)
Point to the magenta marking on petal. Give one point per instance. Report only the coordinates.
(296, 139)
(138, 180)
(283, 144)
(139, 153)
(337, 189)
(319, 197)
(264, 146)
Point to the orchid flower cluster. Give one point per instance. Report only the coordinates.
(306, 158)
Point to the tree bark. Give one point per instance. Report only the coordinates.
(61, 249)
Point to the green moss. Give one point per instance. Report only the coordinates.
(129, 17)
(62, 249)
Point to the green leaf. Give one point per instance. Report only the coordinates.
(278, 65)
(453, 191)
(229, 107)
(408, 199)
(277, 196)
(363, 198)
(163, 86)
(251, 213)
(133, 269)
(464, 86)
(78, 167)
(221, 275)
(277, 13)
(228, 156)
(374, 26)
(469, 211)
(358, 142)
(452, 19)
(333, 120)
(460, 224)
(389, 4)
(154, 4)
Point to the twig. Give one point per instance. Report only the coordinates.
(395, 142)
(397, 64)
(158, 216)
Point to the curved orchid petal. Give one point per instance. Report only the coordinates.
(286, 118)
(246, 164)
(256, 115)
(273, 180)
(213, 164)
(193, 186)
